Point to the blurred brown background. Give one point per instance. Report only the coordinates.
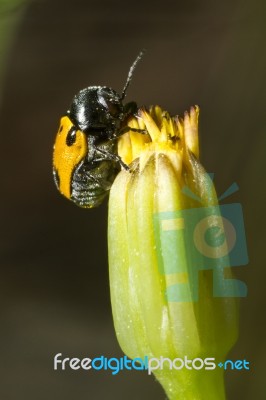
(54, 273)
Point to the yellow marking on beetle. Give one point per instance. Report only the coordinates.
(65, 157)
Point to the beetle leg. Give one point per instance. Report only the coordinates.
(113, 157)
(128, 128)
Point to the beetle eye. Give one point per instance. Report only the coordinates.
(110, 100)
(113, 109)
(71, 137)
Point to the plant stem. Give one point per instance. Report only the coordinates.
(192, 384)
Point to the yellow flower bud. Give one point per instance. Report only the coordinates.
(164, 304)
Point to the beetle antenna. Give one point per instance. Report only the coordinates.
(130, 73)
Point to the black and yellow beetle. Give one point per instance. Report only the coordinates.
(85, 159)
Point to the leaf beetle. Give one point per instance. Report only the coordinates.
(85, 158)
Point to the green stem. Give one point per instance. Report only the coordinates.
(192, 384)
